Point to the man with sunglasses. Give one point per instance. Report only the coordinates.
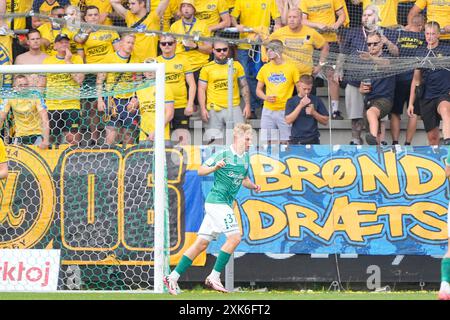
(137, 17)
(45, 7)
(178, 74)
(51, 29)
(213, 93)
(354, 41)
(378, 93)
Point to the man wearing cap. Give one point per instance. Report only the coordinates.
(51, 29)
(64, 115)
(137, 17)
(197, 52)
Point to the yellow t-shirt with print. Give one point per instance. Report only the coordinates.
(120, 81)
(279, 81)
(323, 11)
(176, 69)
(195, 57)
(6, 58)
(47, 32)
(27, 120)
(3, 157)
(146, 46)
(99, 44)
(437, 10)
(387, 10)
(58, 83)
(147, 104)
(216, 77)
(20, 6)
(171, 10)
(209, 11)
(255, 14)
(304, 42)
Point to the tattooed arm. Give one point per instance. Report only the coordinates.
(245, 92)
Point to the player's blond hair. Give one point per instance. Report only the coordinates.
(242, 128)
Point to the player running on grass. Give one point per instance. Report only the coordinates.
(230, 168)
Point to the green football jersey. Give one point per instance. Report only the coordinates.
(227, 180)
(447, 161)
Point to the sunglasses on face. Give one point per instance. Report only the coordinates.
(60, 15)
(168, 43)
(369, 44)
(221, 49)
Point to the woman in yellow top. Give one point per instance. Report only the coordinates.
(3, 161)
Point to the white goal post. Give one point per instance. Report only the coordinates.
(159, 145)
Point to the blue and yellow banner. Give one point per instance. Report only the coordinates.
(345, 199)
(96, 205)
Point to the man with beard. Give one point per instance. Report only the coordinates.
(213, 93)
(354, 42)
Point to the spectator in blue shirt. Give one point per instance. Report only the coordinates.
(435, 101)
(304, 111)
(408, 42)
(379, 93)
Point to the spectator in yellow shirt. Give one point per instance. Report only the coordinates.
(30, 117)
(178, 73)
(146, 102)
(64, 115)
(387, 10)
(301, 41)
(215, 13)
(122, 107)
(438, 11)
(137, 17)
(95, 45)
(213, 93)
(279, 79)
(51, 29)
(254, 14)
(197, 52)
(45, 7)
(321, 15)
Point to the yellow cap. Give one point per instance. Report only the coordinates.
(191, 2)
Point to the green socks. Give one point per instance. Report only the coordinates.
(445, 269)
(182, 266)
(221, 261)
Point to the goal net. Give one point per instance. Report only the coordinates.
(103, 205)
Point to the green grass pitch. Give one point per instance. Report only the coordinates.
(210, 295)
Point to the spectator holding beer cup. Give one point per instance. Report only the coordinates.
(378, 93)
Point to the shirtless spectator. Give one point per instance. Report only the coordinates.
(33, 56)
